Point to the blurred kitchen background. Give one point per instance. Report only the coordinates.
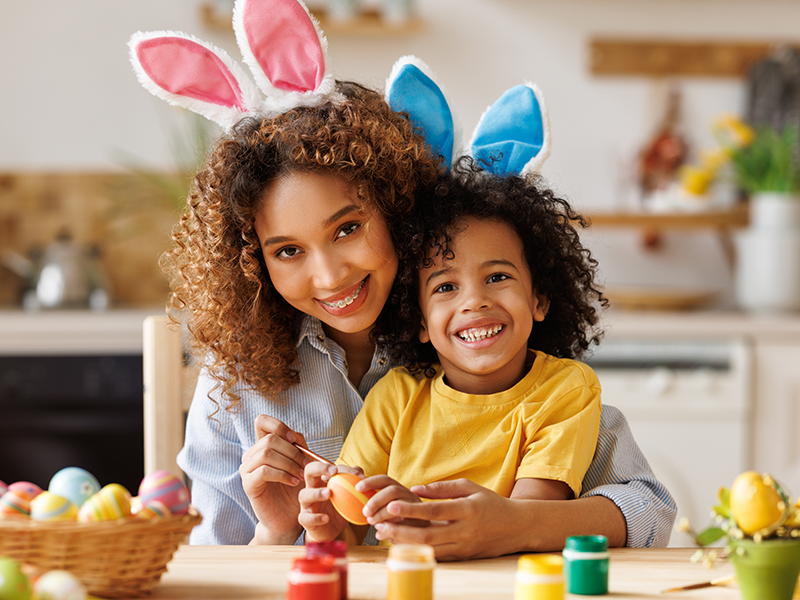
(93, 170)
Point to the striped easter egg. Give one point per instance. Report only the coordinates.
(166, 488)
(348, 501)
(14, 506)
(153, 511)
(52, 507)
(111, 502)
(25, 489)
(3, 488)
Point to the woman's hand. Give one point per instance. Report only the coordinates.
(272, 476)
(317, 516)
(387, 491)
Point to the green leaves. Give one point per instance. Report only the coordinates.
(770, 163)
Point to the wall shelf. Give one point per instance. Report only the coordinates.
(664, 58)
(733, 218)
(368, 23)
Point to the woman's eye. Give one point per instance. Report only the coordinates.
(444, 288)
(286, 253)
(348, 229)
(498, 277)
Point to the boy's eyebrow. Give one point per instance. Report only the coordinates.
(436, 274)
(280, 239)
(488, 263)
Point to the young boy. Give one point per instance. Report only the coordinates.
(499, 300)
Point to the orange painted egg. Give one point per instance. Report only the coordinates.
(111, 502)
(14, 506)
(152, 510)
(52, 507)
(348, 501)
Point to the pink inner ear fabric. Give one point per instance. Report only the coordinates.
(285, 43)
(186, 68)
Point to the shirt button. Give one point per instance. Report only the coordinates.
(345, 364)
(382, 361)
(321, 338)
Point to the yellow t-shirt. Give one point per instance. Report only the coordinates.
(419, 431)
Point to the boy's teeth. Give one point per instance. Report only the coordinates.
(479, 333)
(345, 301)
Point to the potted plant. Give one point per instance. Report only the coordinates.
(762, 528)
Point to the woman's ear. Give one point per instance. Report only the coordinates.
(541, 305)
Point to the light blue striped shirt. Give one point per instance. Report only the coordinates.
(323, 406)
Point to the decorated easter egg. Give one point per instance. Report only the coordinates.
(25, 489)
(75, 484)
(59, 585)
(153, 511)
(3, 488)
(52, 507)
(167, 489)
(13, 505)
(757, 502)
(111, 502)
(348, 501)
(13, 583)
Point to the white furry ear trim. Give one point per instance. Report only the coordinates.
(283, 46)
(193, 74)
(535, 165)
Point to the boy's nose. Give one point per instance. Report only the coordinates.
(475, 298)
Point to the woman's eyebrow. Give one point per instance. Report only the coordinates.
(280, 239)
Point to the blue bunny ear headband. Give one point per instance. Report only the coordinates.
(511, 137)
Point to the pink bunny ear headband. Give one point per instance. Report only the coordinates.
(281, 44)
(512, 136)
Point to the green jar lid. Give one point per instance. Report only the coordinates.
(587, 543)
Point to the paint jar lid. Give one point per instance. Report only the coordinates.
(412, 553)
(315, 564)
(335, 548)
(540, 564)
(587, 543)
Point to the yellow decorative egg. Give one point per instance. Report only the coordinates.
(52, 507)
(111, 502)
(755, 502)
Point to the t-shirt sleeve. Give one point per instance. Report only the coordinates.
(369, 442)
(562, 435)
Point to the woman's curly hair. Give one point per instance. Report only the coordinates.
(242, 329)
(561, 269)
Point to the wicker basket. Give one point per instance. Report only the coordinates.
(113, 559)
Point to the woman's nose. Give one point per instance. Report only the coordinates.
(329, 271)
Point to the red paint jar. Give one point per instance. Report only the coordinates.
(337, 549)
(314, 578)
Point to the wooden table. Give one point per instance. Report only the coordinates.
(259, 573)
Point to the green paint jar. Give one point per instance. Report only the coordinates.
(586, 565)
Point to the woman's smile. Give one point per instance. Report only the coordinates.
(354, 299)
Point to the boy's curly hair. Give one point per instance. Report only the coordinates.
(242, 329)
(562, 270)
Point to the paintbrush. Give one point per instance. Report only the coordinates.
(703, 584)
(313, 455)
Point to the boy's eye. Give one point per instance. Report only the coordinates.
(444, 288)
(348, 229)
(497, 277)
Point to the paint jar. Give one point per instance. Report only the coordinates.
(410, 572)
(539, 577)
(314, 578)
(586, 565)
(337, 549)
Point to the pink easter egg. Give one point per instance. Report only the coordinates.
(14, 506)
(3, 488)
(25, 489)
(111, 502)
(166, 488)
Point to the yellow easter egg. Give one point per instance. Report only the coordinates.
(348, 501)
(111, 502)
(52, 507)
(755, 502)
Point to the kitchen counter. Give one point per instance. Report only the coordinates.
(72, 332)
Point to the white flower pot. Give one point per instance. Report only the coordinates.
(768, 255)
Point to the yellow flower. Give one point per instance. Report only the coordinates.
(733, 132)
(696, 180)
(713, 159)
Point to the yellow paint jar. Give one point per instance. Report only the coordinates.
(540, 577)
(410, 569)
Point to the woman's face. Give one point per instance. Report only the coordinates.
(327, 254)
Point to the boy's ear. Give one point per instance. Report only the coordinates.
(423, 333)
(541, 306)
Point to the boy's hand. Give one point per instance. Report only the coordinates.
(317, 515)
(387, 491)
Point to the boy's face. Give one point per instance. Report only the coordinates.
(478, 308)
